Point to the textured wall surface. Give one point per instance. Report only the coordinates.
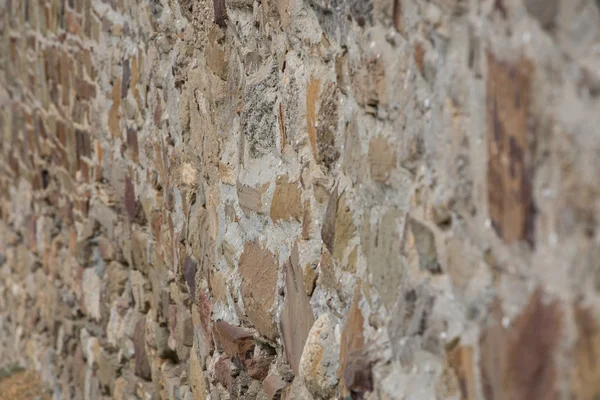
(301, 199)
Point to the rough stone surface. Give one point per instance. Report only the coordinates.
(186, 185)
(317, 364)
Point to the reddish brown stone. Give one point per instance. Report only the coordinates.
(234, 340)
(223, 371)
(510, 167)
(273, 385)
(258, 368)
(259, 270)
(519, 362)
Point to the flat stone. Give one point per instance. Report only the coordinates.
(381, 248)
(585, 383)
(196, 378)
(250, 198)
(91, 286)
(140, 288)
(139, 250)
(382, 159)
(424, 242)
(108, 364)
(142, 366)
(462, 362)
(328, 227)
(297, 316)
(116, 279)
(259, 270)
(509, 174)
(344, 228)
(353, 340)
(518, 361)
(224, 372)
(286, 204)
(189, 273)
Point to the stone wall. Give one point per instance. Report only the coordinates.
(305, 199)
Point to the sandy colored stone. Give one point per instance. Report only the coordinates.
(317, 364)
(353, 340)
(259, 270)
(461, 360)
(312, 94)
(585, 377)
(196, 377)
(382, 159)
(286, 204)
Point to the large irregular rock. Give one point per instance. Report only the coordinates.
(319, 359)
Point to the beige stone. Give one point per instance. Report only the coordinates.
(297, 316)
(286, 203)
(197, 378)
(259, 270)
(250, 198)
(382, 159)
(317, 364)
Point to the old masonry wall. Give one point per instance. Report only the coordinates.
(311, 199)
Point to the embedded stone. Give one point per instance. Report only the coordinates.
(250, 198)
(234, 340)
(259, 270)
(286, 204)
(352, 341)
(142, 366)
(382, 159)
(273, 385)
(319, 359)
(297, 316)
